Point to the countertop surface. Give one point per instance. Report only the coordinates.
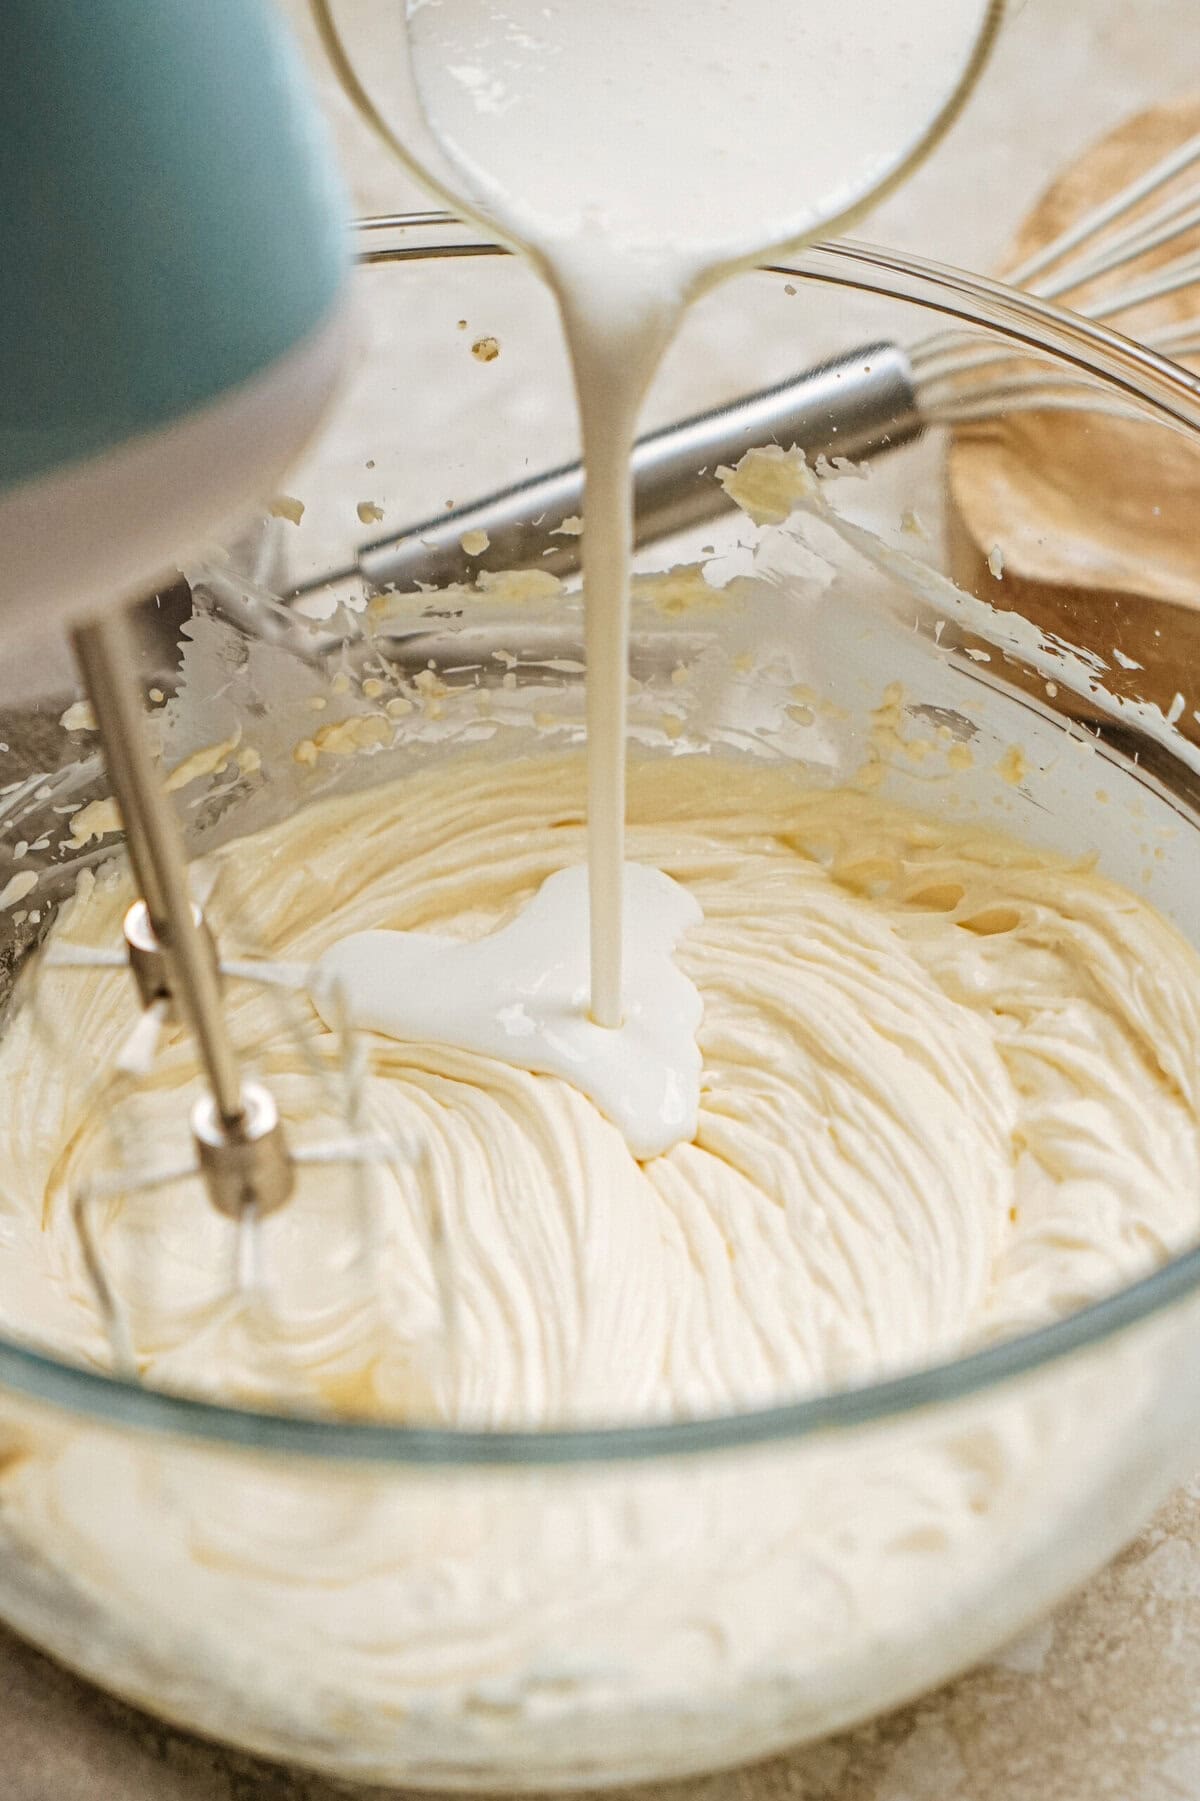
(1104, 1698)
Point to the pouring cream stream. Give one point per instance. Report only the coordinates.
(639, 150)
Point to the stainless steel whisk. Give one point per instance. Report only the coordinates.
(960, 382)
(873, 398)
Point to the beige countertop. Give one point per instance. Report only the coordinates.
(1103, 1699)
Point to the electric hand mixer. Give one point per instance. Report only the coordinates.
(172, 297)
(249, 1169)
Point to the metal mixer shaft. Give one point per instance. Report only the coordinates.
(240, 1145)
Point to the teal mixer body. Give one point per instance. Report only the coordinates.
(174, 246)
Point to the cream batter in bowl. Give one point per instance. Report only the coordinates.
(561, 1468)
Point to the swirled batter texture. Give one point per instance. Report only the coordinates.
(950, 1090)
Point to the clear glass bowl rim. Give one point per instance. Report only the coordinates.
(1157, 384)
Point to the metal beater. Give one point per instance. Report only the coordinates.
(240, 1151)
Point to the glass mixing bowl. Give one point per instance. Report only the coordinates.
(479, 1609)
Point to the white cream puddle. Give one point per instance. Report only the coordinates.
(521, 995)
